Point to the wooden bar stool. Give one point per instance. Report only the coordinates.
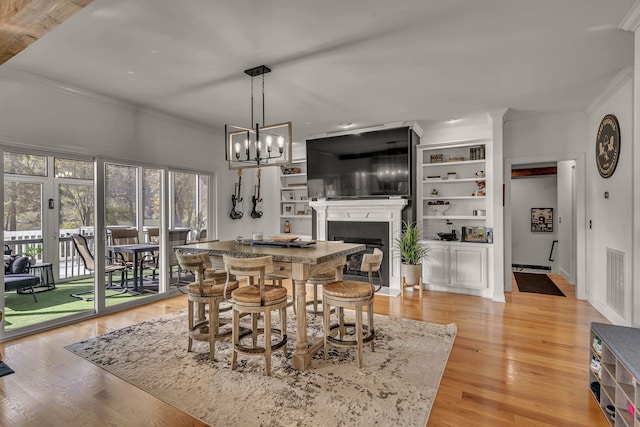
(350, 293)
(320, 279)
(256, 299)
(203, 292)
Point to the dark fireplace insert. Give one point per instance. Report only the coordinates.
(372, 234)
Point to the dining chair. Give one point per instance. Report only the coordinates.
(125, 236)
(82, 248)
(130, 236)
(320, 279)
(257, 299)
(203, 293)
(277, 278)
(175, 238)
(350, 293)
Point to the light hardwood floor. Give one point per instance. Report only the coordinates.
(523, 363)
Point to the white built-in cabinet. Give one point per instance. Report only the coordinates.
(456, 267)
(452, 192)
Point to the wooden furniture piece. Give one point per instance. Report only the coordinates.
(257, 299)
(615, 372)
(202, 293)
(304, 262)
(80, 243)
(350, 293)
(320, 279)
(404, 285)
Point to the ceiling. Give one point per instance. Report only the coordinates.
(366, 62)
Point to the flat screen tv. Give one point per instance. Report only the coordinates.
(368, 164)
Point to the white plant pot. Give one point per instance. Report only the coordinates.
(411, 273)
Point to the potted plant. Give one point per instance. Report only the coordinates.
(32, 252)
(413, 251)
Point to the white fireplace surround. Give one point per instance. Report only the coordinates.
(366, 210)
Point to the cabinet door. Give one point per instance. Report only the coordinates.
(436, 267)
(468, 267)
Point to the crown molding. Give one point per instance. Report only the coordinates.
(614, 85)
(26, 77)
(631, 21)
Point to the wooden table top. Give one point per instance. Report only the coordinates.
(321, 252)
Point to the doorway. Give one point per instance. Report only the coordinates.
(556, 251)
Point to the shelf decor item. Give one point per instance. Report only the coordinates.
(436, 158)
(288, 208)
(288, 195)
(439, 207)
(412, 251)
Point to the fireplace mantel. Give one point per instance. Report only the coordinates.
(366, 210)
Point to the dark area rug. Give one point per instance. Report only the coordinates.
(537, 284)
(5, 370)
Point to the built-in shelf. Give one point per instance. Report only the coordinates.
(443, 217)
(462, 162)
(450, 181)
(294, 198)
(453, 197)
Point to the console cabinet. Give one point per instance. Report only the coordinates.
(615, 371)
(456, 267)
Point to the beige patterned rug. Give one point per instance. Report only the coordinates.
(396, 385)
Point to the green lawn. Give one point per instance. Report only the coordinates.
(21, 310)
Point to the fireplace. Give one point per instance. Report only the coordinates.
(376, 219)
(372, 235)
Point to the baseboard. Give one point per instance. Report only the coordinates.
(518, 267)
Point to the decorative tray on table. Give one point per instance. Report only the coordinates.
(279, 241)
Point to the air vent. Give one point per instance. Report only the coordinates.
(615, 281)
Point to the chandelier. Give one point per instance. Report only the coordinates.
(262, 145)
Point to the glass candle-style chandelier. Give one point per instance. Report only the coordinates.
(263, 145)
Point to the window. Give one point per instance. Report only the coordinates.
(25, 164)
(120, 195)
(151, 197)
(190, 198)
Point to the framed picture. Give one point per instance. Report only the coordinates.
(288, 208)
(542, 220)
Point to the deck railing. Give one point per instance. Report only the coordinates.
(70, 265)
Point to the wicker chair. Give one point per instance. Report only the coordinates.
(203, 292)
(349, 293)
(256, 299)
(320, 279)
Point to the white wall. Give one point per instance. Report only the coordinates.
(528, 247)
(611, 218)
(38, 114)
(548, 139)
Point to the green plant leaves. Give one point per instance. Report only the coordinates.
(411, 248)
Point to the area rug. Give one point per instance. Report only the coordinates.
(537, 283)
(396, 385)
